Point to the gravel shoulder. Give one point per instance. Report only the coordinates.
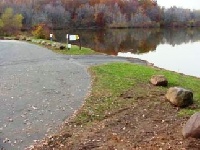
(39, 89)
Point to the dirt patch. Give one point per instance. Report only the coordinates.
(151, 123)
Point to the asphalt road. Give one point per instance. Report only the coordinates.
(39, 89)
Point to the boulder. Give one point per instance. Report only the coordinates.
(43, 42)
(159, 80)
(179, 96)
(34, 41)
(53, 44)
(192, 127)
(38, 41)
(22, 38)
(17, 37)
(28, 39)
(60, 46)
(48, 44)
(9, 38)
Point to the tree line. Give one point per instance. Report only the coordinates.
(58, 14)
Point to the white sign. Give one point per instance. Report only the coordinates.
(73, 37)
(69, 46)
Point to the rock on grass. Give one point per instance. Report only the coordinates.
(179, 97)
(159, 80)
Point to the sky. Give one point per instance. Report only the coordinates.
(191, 4)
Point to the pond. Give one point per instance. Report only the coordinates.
(172, 49)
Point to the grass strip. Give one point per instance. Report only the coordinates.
(74, 50)
(110, 80)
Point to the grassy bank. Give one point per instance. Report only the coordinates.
(124, 111)
(62, 49)
(111, 80)
(75, 50)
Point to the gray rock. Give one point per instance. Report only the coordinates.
(159, 80)
(9, 38)
(43, 42)
(38, 41)
(57, 45)
(60, 46)
(192, 127)
(179, 96)
(53, 44)
(48, 44)
(22, 38)
(28, 39)
(17, 38)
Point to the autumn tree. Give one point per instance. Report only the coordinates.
(85, 16)
(10, 22)
(154, 13)
(41, 31)
(140, 20)
(99, 13)
(93, 2)
(56, 14)
(195, 15)
(147, 3)
(177, 16)
(1, 25)
(118, 19)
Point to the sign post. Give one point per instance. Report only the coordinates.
(79, 43)
(73, 38)
(67, 38)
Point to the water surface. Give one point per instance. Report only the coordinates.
(173, 49)
(180, 58)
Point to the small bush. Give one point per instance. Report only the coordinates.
(41, 31)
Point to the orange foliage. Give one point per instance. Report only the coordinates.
(93, 2)
(41, 31)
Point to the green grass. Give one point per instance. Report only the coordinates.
(75, 50)
(113, 79)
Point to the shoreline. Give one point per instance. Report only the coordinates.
(47, 44)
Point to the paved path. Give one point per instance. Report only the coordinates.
(39, 89)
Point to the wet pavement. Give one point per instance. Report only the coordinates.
(39, 89)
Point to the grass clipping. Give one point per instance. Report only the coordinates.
(124, 111)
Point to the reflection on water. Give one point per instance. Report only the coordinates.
(172, 49)
(135, 41)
